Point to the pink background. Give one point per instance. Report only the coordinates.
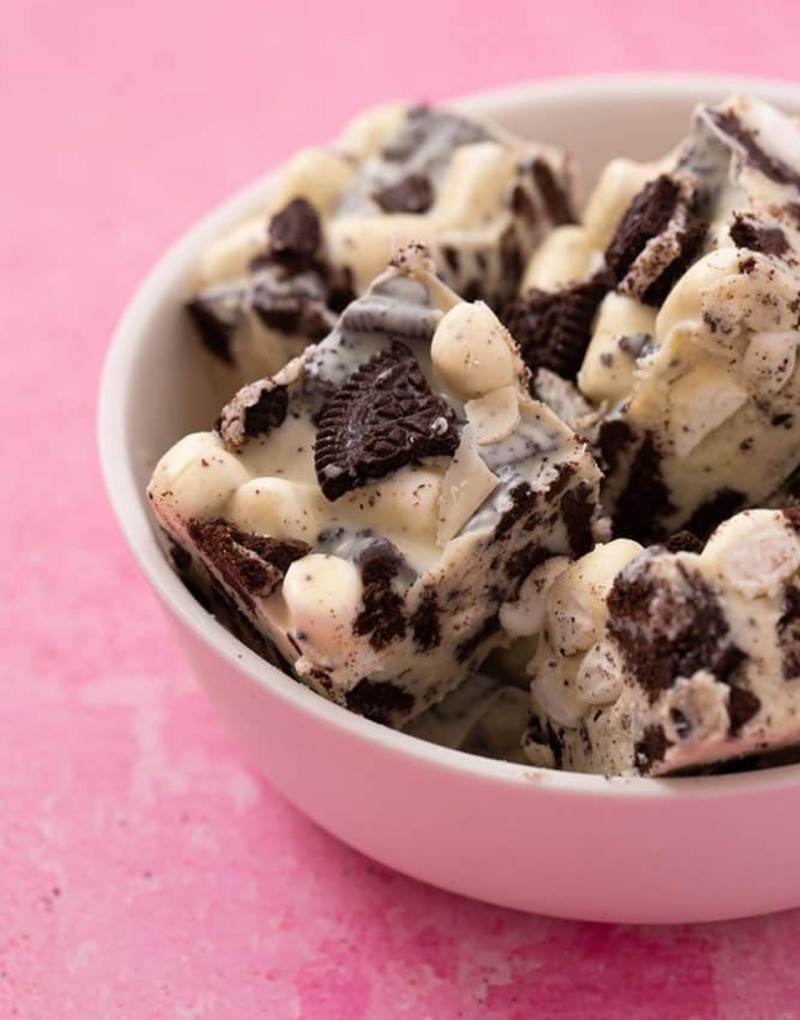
(145, 871)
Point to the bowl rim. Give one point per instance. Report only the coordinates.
(133, 517)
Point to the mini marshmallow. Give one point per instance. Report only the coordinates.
(198, 475)
(322, 596)
(756, 551)
(472, 352)
(278, 507)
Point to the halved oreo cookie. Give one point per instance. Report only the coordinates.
(663, 210)
(384, 417)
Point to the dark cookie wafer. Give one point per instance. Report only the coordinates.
(747, 232)
(256, 410)
(295, 234)
(413, 194)
(553, 328)
(666, 633)
(253, 565)
(555, 197)
(382, 617)
(215, 323)
(383, 418)
(771, 166)
(659, 204)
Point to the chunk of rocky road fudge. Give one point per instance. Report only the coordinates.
(370, 508)
(480, 198)
(657, 661)
(675, 308)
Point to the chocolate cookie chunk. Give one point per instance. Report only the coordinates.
(771, 166)
(295, 234)
(215, 323)
(660, 207)
(553, 328)
(384, 417)
(668, 632)
(413, 194)
(747, 232)
(252, 565)
(382, 617)
(556, 199)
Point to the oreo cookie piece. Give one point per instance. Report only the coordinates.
(667, 632)
(748, 232)
(553, 328)
(295, 234)
(383, 617)
(413, 194)
(384, 417)
(773, 167)
(216, 323)
(557, 202)
(662, 210)
(252, 565)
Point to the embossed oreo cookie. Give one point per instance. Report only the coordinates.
(383, 418)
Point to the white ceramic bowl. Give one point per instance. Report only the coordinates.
(569, 845)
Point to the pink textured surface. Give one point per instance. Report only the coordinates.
(145, 872)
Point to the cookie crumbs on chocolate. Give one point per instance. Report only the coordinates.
(553, 328)
(384, 417)
(645, 218)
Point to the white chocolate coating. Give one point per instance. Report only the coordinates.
(702, 399)
(450, 534)
(724, 627)
(493, 198)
